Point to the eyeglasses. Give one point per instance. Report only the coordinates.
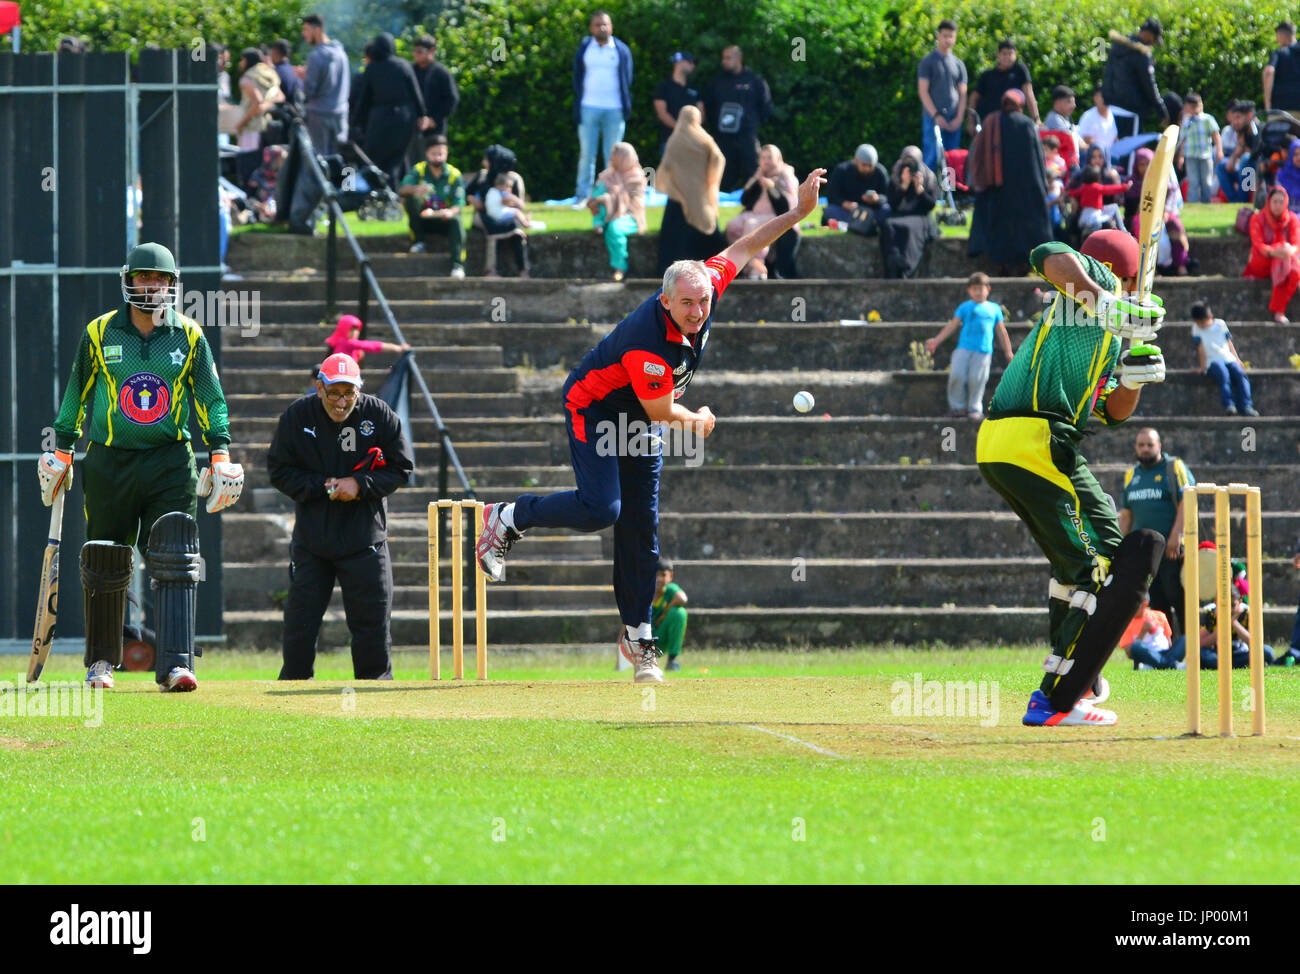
(343, 395)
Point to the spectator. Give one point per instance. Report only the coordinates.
(1054, 163)
(1129, 79)
(771, 191)
(1236, 173)
(498, 159)
(738, 102)
(602, 103)
(674, 94)
(1292, 656)
(503, 206)
(389, 107)
(341, 516)
(1282, 73)
(968, 373)
(913, 191)
(1097, 125)
(72, 45)
(1007, 172)
(1240, 640)
(668, 614)
(262, 183)
(281, 51)
(1151, 496)
(441, 96)
(1059, 119)
(1148, 639)
(690, 174)
(259, 89)
(1201, 147)
(1274, 250)
(224, 91)
(1288, 176)
(434, 196)
(347, 340)
(325, 87)
(1096, 156)
(1094, 212)
(1179, 255)
(941, 84)
(1009, 73)
(856, 192)
(1219, 360)
(618, 204)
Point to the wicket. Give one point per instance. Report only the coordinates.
(458, 510)
(1223, 602)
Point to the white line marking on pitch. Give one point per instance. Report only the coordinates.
(795, 740)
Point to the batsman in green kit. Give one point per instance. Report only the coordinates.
(138, 371)
(1070, 370)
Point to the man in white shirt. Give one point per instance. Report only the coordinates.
(1097, 126)
(602, 82)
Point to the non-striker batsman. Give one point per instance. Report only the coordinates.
(138, 369)
(1070, 370)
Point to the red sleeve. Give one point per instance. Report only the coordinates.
(648, 373)
(1113, 189)
(368, 346)
(722, 272)
(1077, 192)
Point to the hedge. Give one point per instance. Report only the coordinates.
(841, 72)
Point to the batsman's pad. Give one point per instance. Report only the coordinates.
(106, 570)
(174, 572)
(1131, 569)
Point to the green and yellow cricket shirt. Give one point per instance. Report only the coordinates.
(135, 387)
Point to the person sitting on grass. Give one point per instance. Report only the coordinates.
(1147, 640)
(1240, 636)
(434, 194)
(617, 204)
(668, 614)
(968, 374)
(1219, 360)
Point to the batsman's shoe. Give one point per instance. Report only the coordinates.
(495, 541)
(1041, 714)
(641, 653)
(100, 675)
(179, 680)
(1099, 693)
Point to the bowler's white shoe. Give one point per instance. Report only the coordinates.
(641, 653)
(494, 543)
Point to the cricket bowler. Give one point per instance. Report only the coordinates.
(635, 377)
(1067, 371)
(137, 370)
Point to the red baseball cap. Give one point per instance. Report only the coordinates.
(340, 368)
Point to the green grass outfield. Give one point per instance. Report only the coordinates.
(745, 767)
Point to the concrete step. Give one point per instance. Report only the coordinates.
(708, 628)
(431, 358)
(275, 383)
(313, 311)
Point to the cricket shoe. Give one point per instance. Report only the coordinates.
(179, 680)
(1041, 714)
(641, 655)
(495, 541)
(100, 675)
(1099, 692)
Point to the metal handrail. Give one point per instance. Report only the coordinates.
(368, 284)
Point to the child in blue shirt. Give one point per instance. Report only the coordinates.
(979, 319)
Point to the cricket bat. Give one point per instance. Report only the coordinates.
(1151, 219)
(47, 606)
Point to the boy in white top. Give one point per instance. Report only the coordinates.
(1219, 360)
(1097, 126)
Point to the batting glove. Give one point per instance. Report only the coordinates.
(1141, 366)
(55, 473)
(221, 482)
(1138, 320)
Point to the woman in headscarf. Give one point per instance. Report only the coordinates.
(913, 191)
(497, 159)
(617, 204)
(1288, 177)
(1178, 243)
(1275, 250)
(388, 108)
(689, 174)
(259, 92)
(1006, 170)
(771, 191)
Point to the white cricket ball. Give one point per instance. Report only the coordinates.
(804, 401)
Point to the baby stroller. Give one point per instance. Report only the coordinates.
(363, 186)
(952, 179)
(1269, 151)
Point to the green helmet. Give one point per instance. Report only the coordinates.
(150, 257)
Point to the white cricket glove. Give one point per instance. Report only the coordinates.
(222, 482)
(1141, 365)
(55, 472)
(1123, 316)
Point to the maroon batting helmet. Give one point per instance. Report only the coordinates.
(1117, 249)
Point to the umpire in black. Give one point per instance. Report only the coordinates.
(339, 453)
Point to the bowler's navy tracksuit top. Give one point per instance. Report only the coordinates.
(644, 357)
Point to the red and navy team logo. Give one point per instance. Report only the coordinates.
(144, 398)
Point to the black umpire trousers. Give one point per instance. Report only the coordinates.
(366, 579)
